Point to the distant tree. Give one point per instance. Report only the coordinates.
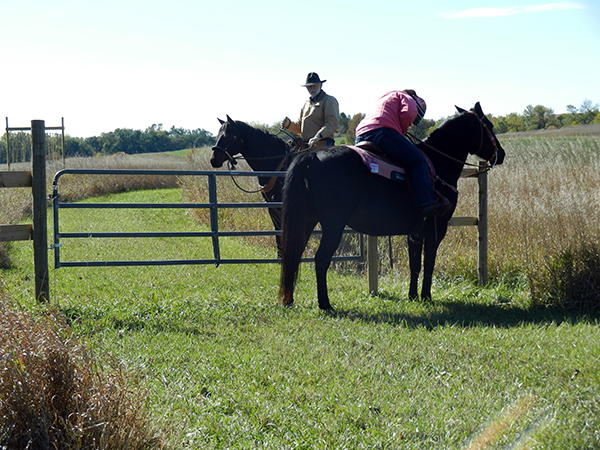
(200, 138)
(352, 124)
(122, 140)
(588, 111)
(500, 125)
(514, 123)
(77, 147)
(424, 129)
(3, 149)
(94, 143)
(343, 129)
(537, 117)
(154, 140)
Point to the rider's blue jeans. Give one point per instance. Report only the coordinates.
(408, 156)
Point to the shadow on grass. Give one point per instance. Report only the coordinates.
(408, 314)
(467, 314)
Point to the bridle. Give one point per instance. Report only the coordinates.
(483, 129)
(492, 139)
(230, 159)
(232, 162)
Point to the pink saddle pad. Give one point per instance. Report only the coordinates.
(380, 167)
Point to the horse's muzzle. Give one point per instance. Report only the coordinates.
(216, 160)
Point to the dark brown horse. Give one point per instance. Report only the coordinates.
(263, 152)
(334, 188)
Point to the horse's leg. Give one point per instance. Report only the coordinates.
(275, 214)
(428, 265)
(330, 240)
(433, 237)
(290, 262)
(415, 248)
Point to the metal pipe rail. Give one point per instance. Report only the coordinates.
(213, 206)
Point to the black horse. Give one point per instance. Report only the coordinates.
(262, 150)
(333, 187)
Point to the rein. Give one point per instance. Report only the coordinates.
(232, 161)
(480, 170)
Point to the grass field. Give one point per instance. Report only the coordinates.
(222, 366)
(225, 368)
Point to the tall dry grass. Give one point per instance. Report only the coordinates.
(55, 395)
(240, 190)
(543, 199)
(16, 203)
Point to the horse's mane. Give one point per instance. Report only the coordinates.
(258, 137)
(444, 125)
(448, 128)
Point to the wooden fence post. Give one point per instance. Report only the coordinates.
(482, 227)
(40, 213)
(373, 264)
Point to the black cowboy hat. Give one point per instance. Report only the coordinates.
(313, 78)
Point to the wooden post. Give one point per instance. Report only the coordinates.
(373, 264)
(40, 213)
(62, 122)
(7, 146)
(482, 228)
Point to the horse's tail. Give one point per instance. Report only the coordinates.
(296, 230)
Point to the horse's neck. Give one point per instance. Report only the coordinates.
(262, 154)
(446, 168)
(263, 162)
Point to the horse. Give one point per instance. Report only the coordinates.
(262, 150)
(334, 187)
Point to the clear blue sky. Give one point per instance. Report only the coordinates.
(130, 63)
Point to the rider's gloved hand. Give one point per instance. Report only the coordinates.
(312, 141)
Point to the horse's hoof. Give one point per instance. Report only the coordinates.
(286, 300)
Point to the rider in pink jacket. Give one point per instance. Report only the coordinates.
(386, 126)
(396, 110)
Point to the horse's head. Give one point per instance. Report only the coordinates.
(487, 146)
(229, 143)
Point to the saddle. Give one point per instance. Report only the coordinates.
(380, 164)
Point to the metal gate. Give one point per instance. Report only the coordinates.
(213, 206)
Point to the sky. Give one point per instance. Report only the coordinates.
(131, 64)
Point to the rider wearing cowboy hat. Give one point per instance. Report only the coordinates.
(319, 117)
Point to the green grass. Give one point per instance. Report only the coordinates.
(225, 367)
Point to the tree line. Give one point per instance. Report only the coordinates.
(155, 139)
(122, 140)
(533, 118)
(542, 118)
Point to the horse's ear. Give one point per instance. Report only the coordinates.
(477, 110)
(459, 109)
(230, 120)
(221, 121)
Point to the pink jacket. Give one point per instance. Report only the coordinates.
(396, 110)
